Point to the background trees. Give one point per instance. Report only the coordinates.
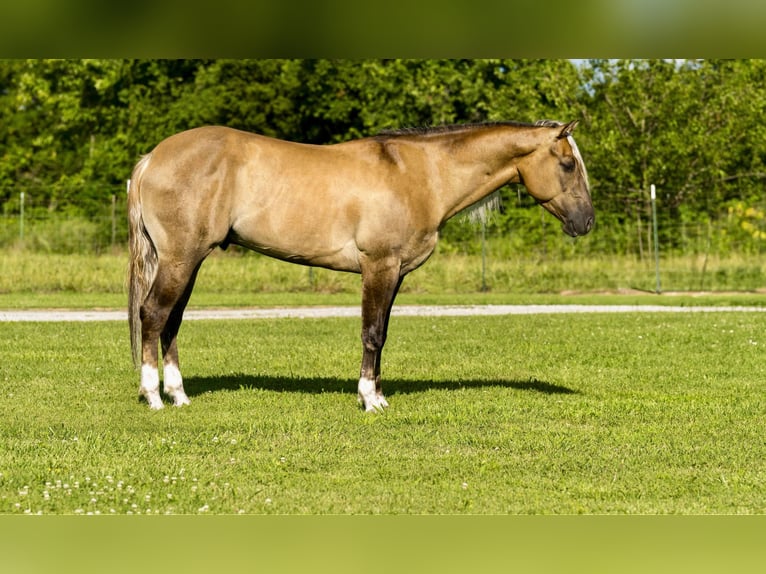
(71, 130)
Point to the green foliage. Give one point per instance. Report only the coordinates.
(71, 130)
(685, 127)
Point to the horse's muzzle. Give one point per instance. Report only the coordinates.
(577, 226)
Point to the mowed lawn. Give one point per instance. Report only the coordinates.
(574, 413)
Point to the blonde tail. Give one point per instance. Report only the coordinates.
(143, 259)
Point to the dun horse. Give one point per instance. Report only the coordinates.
(372, 206)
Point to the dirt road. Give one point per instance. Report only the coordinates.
(399, 311)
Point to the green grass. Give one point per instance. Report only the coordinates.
(34, 280)
(635, 413)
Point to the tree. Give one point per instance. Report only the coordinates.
(71, 130)
(671, 124)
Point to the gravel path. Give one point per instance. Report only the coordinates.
(398, 311)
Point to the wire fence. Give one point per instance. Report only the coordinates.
(29, 224)
(726, 251)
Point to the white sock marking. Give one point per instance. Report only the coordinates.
(150, 386)
(174, 386)
(369, 397)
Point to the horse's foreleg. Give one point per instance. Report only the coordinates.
(380, 283)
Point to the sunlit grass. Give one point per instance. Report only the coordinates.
(634, 413)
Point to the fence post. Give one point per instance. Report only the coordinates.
(653, 195)
(21, 219)
(114, 219)
(483, 256)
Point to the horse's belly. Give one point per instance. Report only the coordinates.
(341, 256)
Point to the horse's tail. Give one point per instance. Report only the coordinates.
(143, 259)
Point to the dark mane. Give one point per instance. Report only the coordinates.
(452, 128)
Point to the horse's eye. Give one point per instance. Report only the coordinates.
(568, 164)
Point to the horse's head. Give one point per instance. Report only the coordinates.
(555, 175)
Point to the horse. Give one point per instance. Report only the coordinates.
(372, 206)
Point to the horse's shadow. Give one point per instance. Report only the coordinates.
(317, 385)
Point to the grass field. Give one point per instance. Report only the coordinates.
(634, 413)
(34, 280)
(604, 413)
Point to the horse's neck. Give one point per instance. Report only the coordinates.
(483, 161)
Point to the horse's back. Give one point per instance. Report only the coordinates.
(195, 149)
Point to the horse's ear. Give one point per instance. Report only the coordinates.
(567, 130)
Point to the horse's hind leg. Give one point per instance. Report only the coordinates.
(160, 319)
(172, 380)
